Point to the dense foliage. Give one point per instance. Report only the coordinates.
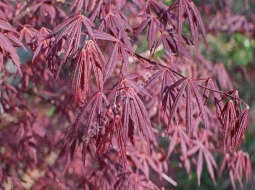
(116, 94)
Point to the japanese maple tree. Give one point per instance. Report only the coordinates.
(105, 94)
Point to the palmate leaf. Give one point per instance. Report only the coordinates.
(175, 100)
(237, 164)
(131, 181)
(111, 62)
(243, 165)
(178, 136)
(194, 86)
(27, 33)
(109, 131)
(84, 61)
(154, 26)
(119, 48)
(163, 20)
(233, 119)
(228, 116)
(152, 5)
(108, 168)
(241, 124)
(6, 45)
(136, 115)
(160, 9)
(210, 87)
(171, 44)
(98, 98)
(5, 6)
(6, 26)
(43, 10)
(77, 6)
(68, 39)
(100, 35)
(222, 76)
(187, 9)
(38, 42)
(167, 77)
(202, 146)
(180, 142)
(144, 123)
(79, 131)
(135, 112)
(117, 22)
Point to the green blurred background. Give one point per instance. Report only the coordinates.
(237, 52)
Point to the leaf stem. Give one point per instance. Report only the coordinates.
(222, 92)
(156, 63)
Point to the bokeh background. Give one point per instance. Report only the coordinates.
(236, 51)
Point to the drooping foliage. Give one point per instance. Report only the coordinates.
(97, 88)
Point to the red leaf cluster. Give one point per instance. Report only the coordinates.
(92, 102)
